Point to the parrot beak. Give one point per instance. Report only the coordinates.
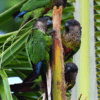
(49, 23)
(67, 27)
(68, 69)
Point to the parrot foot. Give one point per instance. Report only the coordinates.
(67, 86)
(51, 33)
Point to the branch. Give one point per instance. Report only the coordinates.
(59, 92)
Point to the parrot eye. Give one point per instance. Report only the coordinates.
(67, 27)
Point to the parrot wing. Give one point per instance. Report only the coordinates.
(35, 48)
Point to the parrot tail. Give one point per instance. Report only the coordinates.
(24, 87)
(19, 14)
(36, 72)
(38, 68)
(30, 78)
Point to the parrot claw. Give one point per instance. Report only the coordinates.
(51, 33)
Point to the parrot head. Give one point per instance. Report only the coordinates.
(72, 32)
(72, 25)
(71, 71)
(43, 23)
(59, 3)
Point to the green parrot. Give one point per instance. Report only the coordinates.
(37, 50)
(36, 8)
(36, 44)
(71, 38)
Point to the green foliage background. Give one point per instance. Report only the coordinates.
(13, 58)
(97, 38)
(10, 25)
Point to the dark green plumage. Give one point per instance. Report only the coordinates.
(35, 46)
(36, 42)
(37, 49)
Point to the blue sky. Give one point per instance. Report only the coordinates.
(1, 33)
(14, 80)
